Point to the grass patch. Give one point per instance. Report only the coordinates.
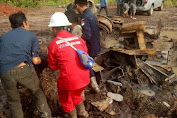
(109, 1)
(39, 3)
(170, 3)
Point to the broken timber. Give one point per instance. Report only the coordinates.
(155, 75)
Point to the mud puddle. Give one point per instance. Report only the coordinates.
(170, 32)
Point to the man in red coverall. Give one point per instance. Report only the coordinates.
(74, 77)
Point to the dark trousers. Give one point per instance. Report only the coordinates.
(105, 8)
(26, 76)
(119, 10)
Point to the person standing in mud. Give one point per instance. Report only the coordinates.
(18, 52)
(126, 8)
(74, 77)
(103, 4)
(90, 30)
(133, 9)
(119, 11)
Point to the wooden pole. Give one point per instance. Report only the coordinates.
(141, 41)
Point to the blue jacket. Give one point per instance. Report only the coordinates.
(103, 3)
(120, 1)
(90, 30)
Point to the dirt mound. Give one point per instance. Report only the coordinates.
(8, 9)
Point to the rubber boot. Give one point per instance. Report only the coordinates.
(73, 113)
(81, 110)
(83, 95)
(94, 84)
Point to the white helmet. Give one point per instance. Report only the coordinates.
(59, 19)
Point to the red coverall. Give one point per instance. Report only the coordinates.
(74, 77)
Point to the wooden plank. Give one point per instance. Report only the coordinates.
(133, 27)
(150, 78)
(157, 69)
(141, 40)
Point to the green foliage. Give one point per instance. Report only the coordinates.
(109, 1)
(170, 3)
(38, 3)
(22, 3)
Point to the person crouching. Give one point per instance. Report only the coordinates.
(74, 77)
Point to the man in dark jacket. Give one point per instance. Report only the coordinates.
(18, 52)
(90, 30)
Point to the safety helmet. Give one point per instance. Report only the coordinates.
(59, 19)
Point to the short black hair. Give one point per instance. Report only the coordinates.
(72, 16)
(81, 2)
(17, 19)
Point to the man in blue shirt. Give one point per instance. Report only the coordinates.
(18, 52)
(90, 30)
(103, 4)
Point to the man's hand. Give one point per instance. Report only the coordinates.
(36, 60)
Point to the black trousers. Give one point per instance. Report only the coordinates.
(105, 8)
(119, 10)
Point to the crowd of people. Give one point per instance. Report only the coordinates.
(123, 8)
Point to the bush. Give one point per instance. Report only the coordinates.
(22, 3)
(38, 3)
(170, 3)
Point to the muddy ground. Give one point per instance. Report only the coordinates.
(135, 104)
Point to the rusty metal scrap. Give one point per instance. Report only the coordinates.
(117, 21)
(112, 74)
(133, 27)
(135, 51)
(115, 58)
(141, 41)
(105, 23)
(155, 74)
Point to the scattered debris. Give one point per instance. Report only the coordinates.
(103, 104)
(115, 96)
(173, 107)
(148, 92)
(110, 110)
(114, 83)
(166, 104)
